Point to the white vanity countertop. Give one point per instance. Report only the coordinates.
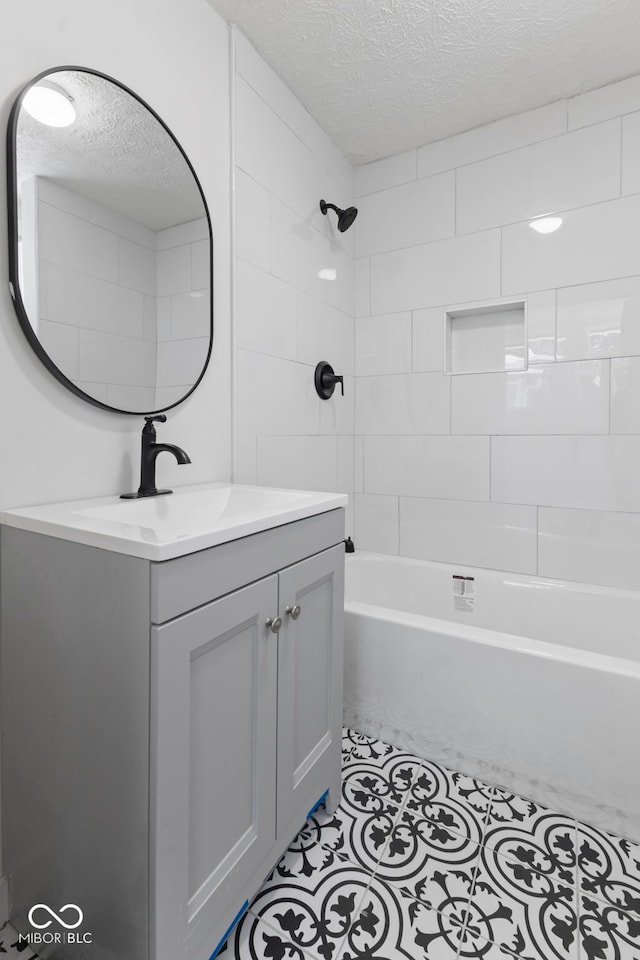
(161, 528)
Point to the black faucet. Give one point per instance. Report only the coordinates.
(150, 451)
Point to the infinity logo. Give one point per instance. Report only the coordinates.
(55, 916)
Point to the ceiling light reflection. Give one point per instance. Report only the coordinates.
(49, 105)
(546, 224)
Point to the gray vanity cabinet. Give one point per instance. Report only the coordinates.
(213, 698)
(175, 741)
(309, 670)
(246, 724)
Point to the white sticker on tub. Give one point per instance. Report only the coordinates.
(462, 592)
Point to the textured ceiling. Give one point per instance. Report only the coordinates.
(115, 153)
(384, 76)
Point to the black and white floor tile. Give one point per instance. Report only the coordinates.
(420, 863)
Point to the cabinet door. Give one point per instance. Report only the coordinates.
(214, 683)
(309, 686)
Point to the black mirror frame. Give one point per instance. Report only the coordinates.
(12, 216)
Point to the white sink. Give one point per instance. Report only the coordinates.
(164, 527)
(184, 513)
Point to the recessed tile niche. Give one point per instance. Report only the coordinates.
(487, 338)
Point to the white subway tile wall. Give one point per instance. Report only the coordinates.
(540, 179)
(310, 463)
(599, 320)
(625, 395)
(376, 519)
(294, 290)
(547, 399)
(597, 242)
(441, 468)
(383, 344)
(631, 154)
(445, 271)
(593, 545)
(541, 325)
(492, 139)
(412, 403)
(479, 534)
(395, 218)
(362, 286)
(337, 414)
(266, 312)
(428, 339)
(534, 471)
(382, 174)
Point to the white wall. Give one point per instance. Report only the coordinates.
(535, 471)
(56, 447)
(294, 289)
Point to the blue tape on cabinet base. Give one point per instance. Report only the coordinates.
(238, 916)
(318, 803)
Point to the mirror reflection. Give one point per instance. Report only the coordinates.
(113, 244)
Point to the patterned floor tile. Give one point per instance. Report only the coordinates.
(371, 802)
(359, 829)
(455, 801)
(393, 926)
(422, 852)
(390, 778)
(437, 887)
(524, 912)
(508, 807)
(254, 940)
(439, 830)
(357, 747)
(606, 932)
(308, 843)
(609, 869)
(311, 899)
(547, 844)
(436, 786)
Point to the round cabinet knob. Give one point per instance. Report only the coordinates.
(274, 624)
(294, 611)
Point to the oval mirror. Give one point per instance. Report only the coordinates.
(110, 245)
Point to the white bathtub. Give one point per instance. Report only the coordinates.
(535, 686)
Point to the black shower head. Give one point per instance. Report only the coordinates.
(345, 217)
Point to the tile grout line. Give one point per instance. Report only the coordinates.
(369, 875)
(396, 822)
(429, 906)
(265, 923)
(621, 194)
(476, 867)
(356, 914)
(573, 825)
(609, 363)
(475, 872)
(577, 889)
(373, 873)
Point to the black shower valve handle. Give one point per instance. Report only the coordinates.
(325, 380)
(335, 379)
